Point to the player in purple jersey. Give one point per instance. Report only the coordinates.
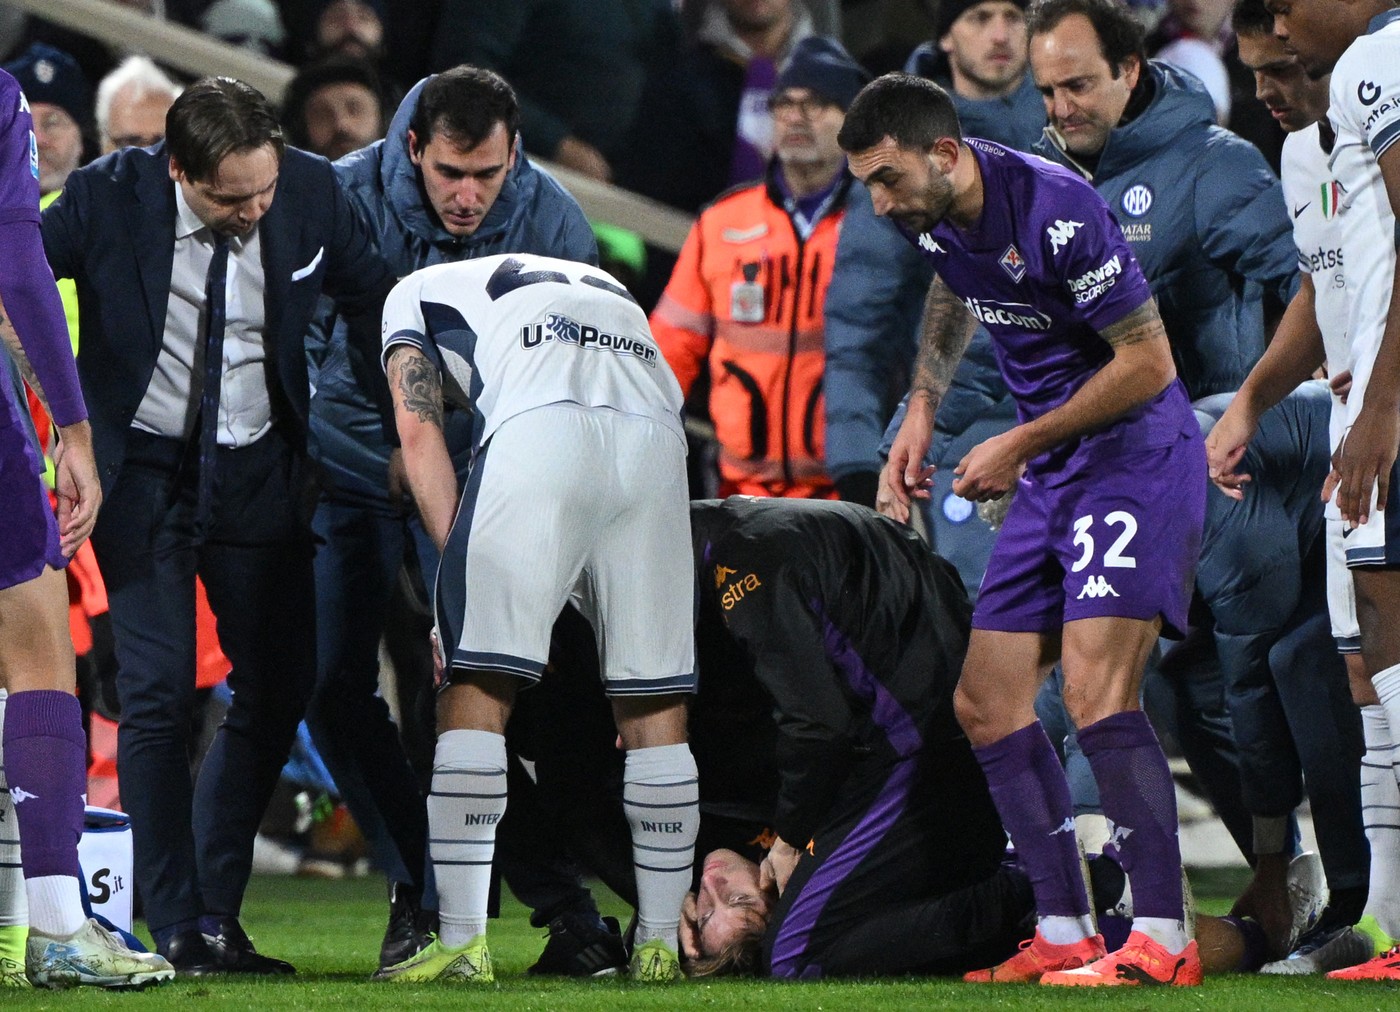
(1097, 554)
(43, 768)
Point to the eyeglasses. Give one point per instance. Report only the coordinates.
(137, 140)
(806, 107)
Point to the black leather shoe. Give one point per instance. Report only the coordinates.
(234, 951)
(189, 954)
(410, 928)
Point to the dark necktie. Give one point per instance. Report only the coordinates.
(214, 286)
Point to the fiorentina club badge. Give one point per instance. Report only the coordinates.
(1013, 263)
(746, 297)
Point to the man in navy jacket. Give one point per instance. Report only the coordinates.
(449, 182)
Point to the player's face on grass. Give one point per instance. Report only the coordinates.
(1293, 98)
(805, 126)
(987, 46)
(727, 905)
(237, 193)
(463, 183)
(1084, 94)
(1317, 31)
(906, 185)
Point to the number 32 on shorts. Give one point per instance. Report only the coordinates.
(1115, 557)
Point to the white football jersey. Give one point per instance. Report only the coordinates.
(514, 332)
(1365, 112)
(1312, 197)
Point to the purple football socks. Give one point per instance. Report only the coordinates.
(1029, 789)
(46, 767)
(1139, 800)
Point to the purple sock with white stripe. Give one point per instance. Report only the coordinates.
(1139, 800)
(1031, 794)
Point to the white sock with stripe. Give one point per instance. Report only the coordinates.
(1380, 810)
(467, 801)
(661, 797)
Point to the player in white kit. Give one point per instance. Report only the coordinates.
(1348, 244)
(577, 493)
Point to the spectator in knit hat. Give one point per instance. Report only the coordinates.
(60, 100)
(746, 297)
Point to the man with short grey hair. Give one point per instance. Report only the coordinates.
(132, 102)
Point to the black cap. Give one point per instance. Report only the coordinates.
(950, 10)
(823, 66)
(53, 77)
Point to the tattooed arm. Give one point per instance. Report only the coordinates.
(416, 387)
(944, 335)
(16, 350)
(1141, 368)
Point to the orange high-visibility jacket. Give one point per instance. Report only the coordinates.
(747, 296)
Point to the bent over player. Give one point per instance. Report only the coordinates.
(1098, 551)
(576, 492)
(43, 774)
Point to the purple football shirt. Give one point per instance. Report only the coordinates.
(1044, 270)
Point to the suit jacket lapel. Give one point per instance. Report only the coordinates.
(151, 224)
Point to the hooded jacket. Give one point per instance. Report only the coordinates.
(532, 214)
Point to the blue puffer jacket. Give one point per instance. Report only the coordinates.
(877, 293)
(533, 214)
(1207, 222)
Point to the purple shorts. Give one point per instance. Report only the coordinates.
(30, 541)
(1120, 539)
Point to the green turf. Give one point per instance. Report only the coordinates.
(331, 930)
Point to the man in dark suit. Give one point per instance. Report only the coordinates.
(198, 265)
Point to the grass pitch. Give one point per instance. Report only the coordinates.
(331, 932)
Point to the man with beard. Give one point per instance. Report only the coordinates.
(878, 286)
(1031, 252)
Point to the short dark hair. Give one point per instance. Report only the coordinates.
(216, 117)
(465, 103)
(1252, 17)
(1120, 34)
(911, 110)
(321, 74)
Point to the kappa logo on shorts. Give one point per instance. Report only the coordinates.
(1096, 586)
(722, 573)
